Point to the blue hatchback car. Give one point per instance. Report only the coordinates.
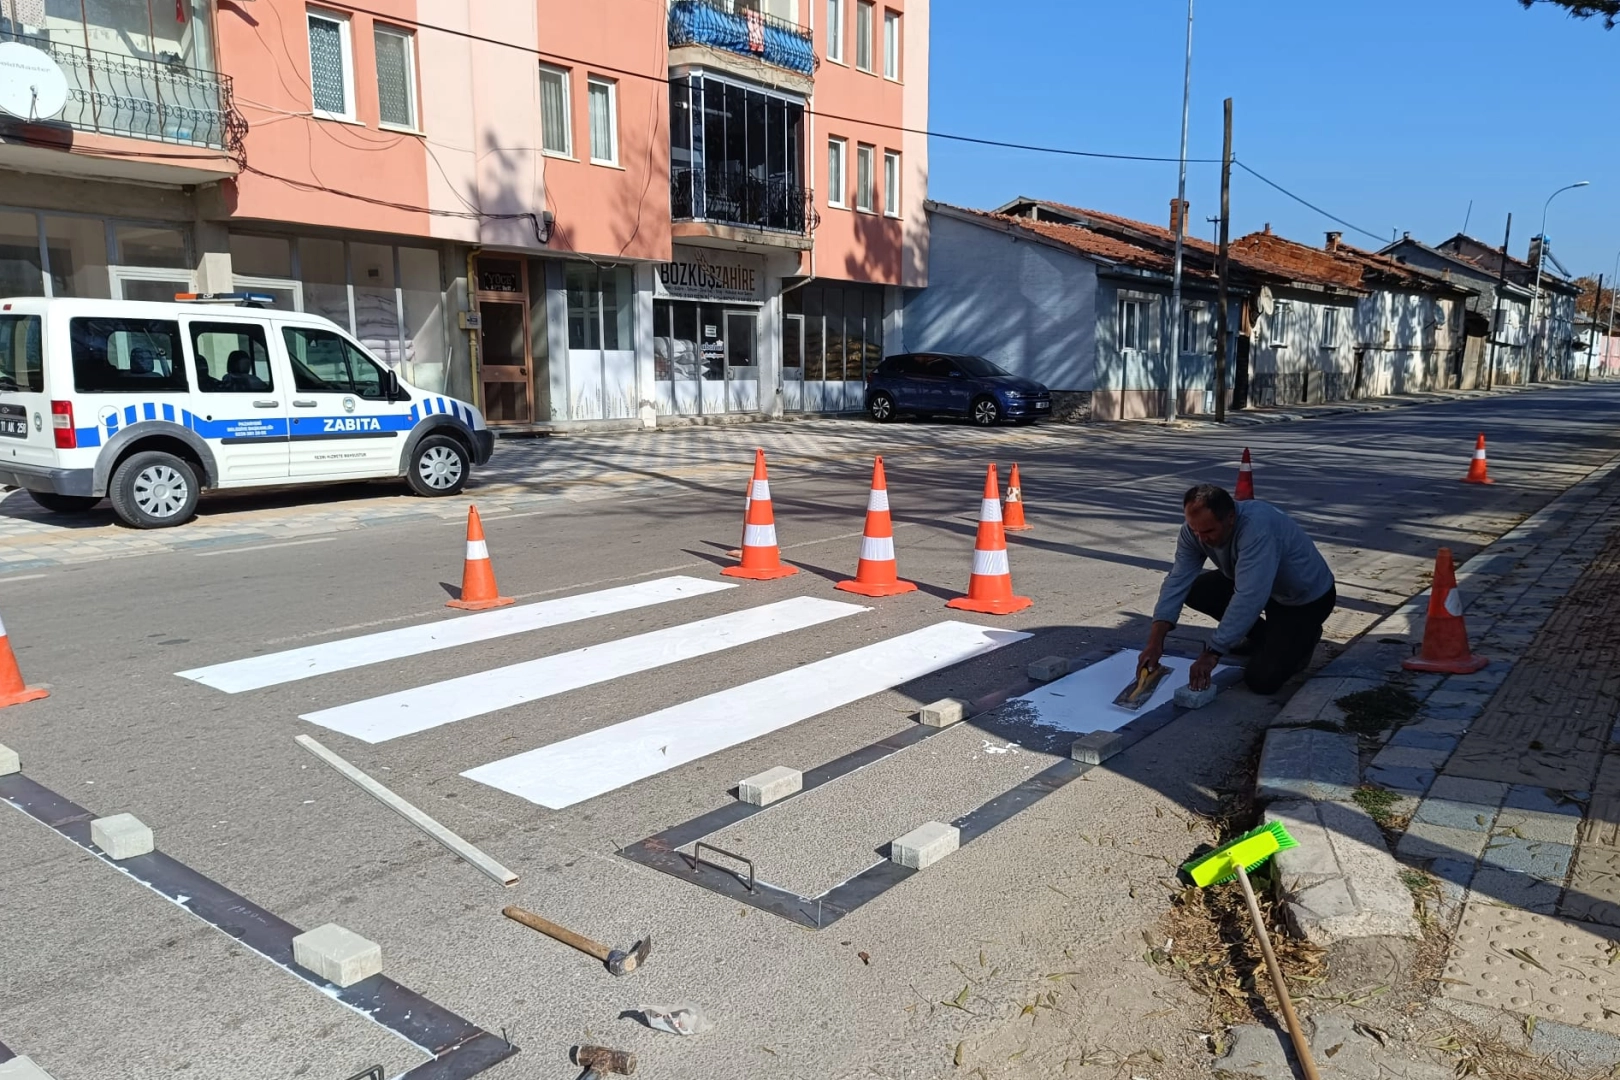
(951, 384)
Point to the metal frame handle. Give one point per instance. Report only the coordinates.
(698, 860)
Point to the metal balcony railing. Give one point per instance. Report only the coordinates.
(731, 197)
(746, 30)
(162, 100)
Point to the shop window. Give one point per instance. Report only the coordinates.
(76, 252)
(376, 307)
(324, 273)
(261, 256)
(326, 363)
(130, 356)
(424, 329)
(600, 306)
(20, 270)
(147, 245)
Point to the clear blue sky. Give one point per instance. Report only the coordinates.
(1391, 114)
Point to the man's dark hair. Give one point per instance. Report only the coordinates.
(1217, 500)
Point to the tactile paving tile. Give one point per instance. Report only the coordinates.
(1538, 965)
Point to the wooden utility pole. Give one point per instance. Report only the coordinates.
(1591, 336)
(1223, 266)
(1501, 293)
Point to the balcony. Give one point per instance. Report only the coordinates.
(747, 32)
(737, 202)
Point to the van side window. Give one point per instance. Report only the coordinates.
(22, 361)
(326, 363)
(127, 356)
(231, 358)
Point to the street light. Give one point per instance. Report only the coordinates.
(1541, 260)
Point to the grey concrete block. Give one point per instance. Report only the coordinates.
(121, 836)
(1096, 747)
(1538, 858)
(21, 1068)
(9, 761)
(1410, 757)
(1465, 789)
(1188, 698)
(1589, 1049)
(944, 712)
(1340, 882)
(1435, 725)
(1509, 887)
(1475, 817)
(769, 786)
(1048, 668)
(1303, 763)
(1540, 800)
(1535, 825)
(1425, 841)
(339, 956)
(925, 845)
(1419, 739)
(1404, 780)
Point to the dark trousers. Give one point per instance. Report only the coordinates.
(1283, 637)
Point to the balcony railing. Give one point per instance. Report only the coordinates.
(164, 101)
(733, 198)
(746, 31)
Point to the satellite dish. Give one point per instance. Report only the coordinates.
(32, 85)
(1265, 301)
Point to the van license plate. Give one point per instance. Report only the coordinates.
(14, 427)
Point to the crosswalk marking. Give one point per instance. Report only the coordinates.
(409, 711)
(597, 762)
(1083, 701)
(256, 672)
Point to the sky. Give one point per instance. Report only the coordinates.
(1391, 114)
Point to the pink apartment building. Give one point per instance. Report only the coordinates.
(568, 213)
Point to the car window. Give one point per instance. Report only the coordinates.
(934, 367)
(978, 366)
(22, 361)
(134, 356)
(895, 365)
(324, 362)
(231, 358)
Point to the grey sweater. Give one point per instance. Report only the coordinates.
(1268, 557)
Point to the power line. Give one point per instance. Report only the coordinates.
(1310, 205)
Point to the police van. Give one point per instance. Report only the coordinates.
(149, 404)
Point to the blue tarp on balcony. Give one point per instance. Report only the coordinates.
(702, 22)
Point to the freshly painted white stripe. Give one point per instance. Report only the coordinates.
(761, 490)
(759, 536)
(597, 762)
(379, 719)
(990, 563)
(990, 510)
(265, 547)
(302, 663)
(877, 500)
(877, 549)
(1083, 701)
(477, 550)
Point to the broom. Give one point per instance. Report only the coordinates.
(1235, 859)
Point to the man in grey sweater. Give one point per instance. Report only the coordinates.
(1271, 590)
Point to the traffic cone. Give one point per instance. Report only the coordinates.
(1245, 484)
(990, 588)
(1477, 473)
(478, 592)
(736, 553)
(1013, 509)
(877, 574)
(761, 558)
(1445, 634)
(13, 691)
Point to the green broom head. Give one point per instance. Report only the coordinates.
(1248, 851)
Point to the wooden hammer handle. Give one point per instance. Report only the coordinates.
(560, 933)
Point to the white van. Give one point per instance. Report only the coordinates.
(148, 404)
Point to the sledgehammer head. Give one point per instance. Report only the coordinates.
(623, 963)
(597, 1060)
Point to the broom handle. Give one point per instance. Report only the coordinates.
(1301, 1048)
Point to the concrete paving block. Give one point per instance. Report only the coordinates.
(1188, 698)
(1454, 876)
(944, 712)
(1403, 780)
(925, 845)
(1303, 763)
(339, 956)
(1425, 841)
(9, 761)
(1410, 757)
(1475, 817)
(21, 1068)
(1096, 747)
(769, 786)
(121, 836)
(1048, 668)
(1538, 858)
(1540, 800)
(1535, 825)
(1510, 888)
(1341, 881)
(1592, 1050)
(1419, 739)
(1465, 789)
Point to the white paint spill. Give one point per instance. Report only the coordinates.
(1010, 748)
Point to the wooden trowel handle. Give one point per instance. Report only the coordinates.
(559, 933)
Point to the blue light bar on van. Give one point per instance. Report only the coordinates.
(256, 298)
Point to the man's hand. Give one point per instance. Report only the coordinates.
(1198, 675)
(1154, 650)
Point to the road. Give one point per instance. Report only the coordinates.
(105, 977)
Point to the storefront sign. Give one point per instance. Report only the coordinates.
(32, 85)
(698, 274)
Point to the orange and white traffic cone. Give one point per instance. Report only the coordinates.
(736, 553)
(478, 591)
(1013, 507)
(761, 558)
(878, 573)
(990, 589)
(13, 691)
(1445, 634)
(1245, 484)
(1477, 469)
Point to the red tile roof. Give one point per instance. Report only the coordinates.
(1080, 239)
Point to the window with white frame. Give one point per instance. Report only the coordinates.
(331, 65)
(604, 120)
(835, 31)
(865, 11)
(1330, 328)
(556, 127)
(864, 186)
(891, 44)
(396, 77)
(835, 173)
(891, 183)
(1132, 325)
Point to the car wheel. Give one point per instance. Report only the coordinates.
(440, 466)
(985, 412)
(64, 504)
(154, 490)
(881, 407)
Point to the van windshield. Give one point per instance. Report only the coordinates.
(22, 361)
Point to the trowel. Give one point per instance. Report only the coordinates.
(1141, 688)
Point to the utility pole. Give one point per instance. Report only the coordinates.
(1222, 267)
(1591, 343)
(1181, 234)
(1498, 323)
(1614, 287)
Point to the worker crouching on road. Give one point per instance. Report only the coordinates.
(1271, 590)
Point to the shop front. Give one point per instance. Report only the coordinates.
(706, 333)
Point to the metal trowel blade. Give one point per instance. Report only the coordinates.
(1141, 688)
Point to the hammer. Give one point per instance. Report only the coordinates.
(618, 961)
(599, 1060)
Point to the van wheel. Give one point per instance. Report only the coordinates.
(439, 467)
(64, 504)
(153, 490)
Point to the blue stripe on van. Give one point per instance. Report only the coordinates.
(88, 436)
(151, 410)
(168, 412)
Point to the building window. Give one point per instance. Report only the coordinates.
(863, 178)
(331, 66)
(396, 77)
(835, 31)
(1132, 326)
(556, 133)
(1330, 328)
(891, 45)
(864, 12)
(736, 155)
(835, 173)
(1192, 329)
(604, 120)
(891, 183)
